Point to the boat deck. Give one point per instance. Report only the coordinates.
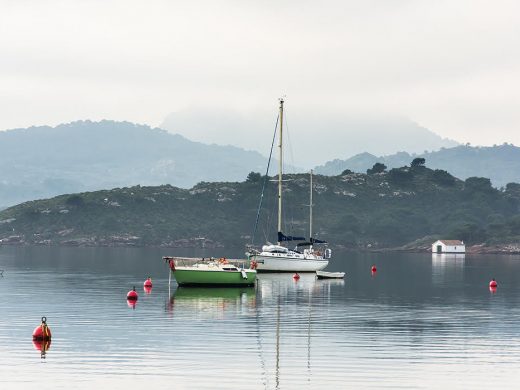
(192, 260)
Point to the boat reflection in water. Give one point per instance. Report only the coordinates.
(42, 346)
(289, 317)
(280, 319)
(212, 301)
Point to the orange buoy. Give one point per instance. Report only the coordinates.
(132, 295)
(493, 283)
(296, 276)
(373, 269)
(42, 332)
(148, 282)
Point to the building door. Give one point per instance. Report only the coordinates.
(439, 248)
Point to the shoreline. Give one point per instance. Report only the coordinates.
(479, 249)
(502, 249)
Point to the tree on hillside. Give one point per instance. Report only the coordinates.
(400, 176)
(513, 189)
(443, 177)
(377, 168)
(482, 184)
(75, 200)
(253, 177)
(346, 172)
(418, 162)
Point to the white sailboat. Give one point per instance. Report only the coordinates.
(308, 256)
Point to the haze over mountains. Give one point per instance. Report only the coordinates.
(313, 137)
(41, 162)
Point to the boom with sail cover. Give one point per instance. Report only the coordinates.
(283, 237)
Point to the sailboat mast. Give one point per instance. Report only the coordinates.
(310, 211)
(280, 167)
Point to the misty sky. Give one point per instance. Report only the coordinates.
(450, 66)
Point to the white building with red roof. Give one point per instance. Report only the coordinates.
(448, 246)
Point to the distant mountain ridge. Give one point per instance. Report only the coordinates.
(314, 137)
(500, 163)
(40, 162)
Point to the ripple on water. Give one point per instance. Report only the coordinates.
(444, 330)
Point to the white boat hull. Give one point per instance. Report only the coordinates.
(330, 275)
(287, 263)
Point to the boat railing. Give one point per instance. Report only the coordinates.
(189, 261)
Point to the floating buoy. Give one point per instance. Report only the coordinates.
(132, 295)
(171, 263)
(296, 276)
(147, 290)
(492, 290)
(42, 332)
(373, 269)
(493, 283)
(148, 282)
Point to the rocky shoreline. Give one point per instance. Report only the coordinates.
(134, 241)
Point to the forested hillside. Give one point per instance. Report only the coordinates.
(377, 210)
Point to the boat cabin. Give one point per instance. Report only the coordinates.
(275, 249)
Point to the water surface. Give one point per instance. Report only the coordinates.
(419, 322)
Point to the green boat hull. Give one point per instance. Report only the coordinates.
(193, 277)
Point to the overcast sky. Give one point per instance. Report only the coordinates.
(451, 66)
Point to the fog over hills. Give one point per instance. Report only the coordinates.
(40, 162)
(500, 163)
(314, 137)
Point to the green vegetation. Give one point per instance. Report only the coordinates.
(376, 168)
(501, 163)
(377, 210)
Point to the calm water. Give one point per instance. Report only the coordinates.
(420, 322)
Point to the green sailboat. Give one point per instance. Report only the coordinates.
(218, 272)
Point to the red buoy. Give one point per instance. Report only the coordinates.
(147, 290)
(132, 295)
(374, 269)
(171, 263)
(42, 332)
(493, 283)
(148, 282)
(296, 276)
